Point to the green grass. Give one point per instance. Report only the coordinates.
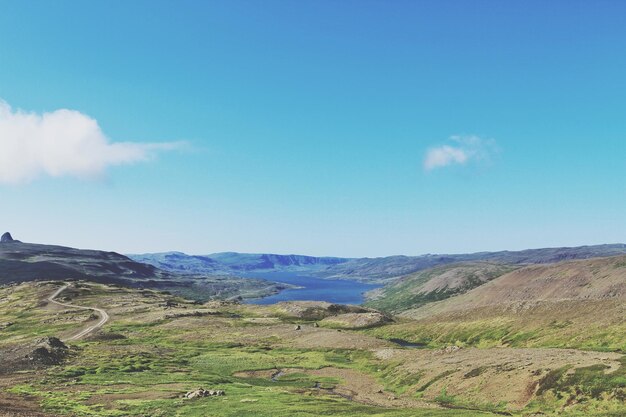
(507, 331)
(161, 357)
(151, 358)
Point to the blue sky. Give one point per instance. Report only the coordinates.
(347, 128)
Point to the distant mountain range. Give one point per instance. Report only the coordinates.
(413, 280)
(379, 270)
(236, 263)
(22, 262)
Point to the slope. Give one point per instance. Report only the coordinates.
(577, 304)
(434, 284)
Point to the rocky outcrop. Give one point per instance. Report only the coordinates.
(48, 351)
(201, 392)
(7, 238)
(315, 310)
(357, 320)
(341, 316)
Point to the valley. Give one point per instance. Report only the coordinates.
(472, 338)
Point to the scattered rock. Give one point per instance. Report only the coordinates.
(201, 392)
(447, 349)
(169, 304)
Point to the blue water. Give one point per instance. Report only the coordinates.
(313, 289)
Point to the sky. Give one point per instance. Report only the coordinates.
(340, 128)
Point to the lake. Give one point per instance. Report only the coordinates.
(313, 289)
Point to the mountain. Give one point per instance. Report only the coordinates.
(235, 263)
(389, 268)
(377, 270)
(21, 262)
(30, 261)
(264, 261)
(181, 263)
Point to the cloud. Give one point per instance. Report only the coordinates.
(463, 150)
(62, 143)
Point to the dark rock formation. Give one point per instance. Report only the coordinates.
(48, 351)
(6, 238)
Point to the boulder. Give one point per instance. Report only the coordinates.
(48, 351)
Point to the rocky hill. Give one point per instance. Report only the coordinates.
(30, 261)
(23, 262)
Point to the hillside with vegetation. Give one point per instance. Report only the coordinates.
(575, 304)
(434, 284)
(160, 355)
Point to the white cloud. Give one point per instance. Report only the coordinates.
(61, 143)
(465, 149)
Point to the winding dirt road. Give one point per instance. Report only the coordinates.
(104, 317)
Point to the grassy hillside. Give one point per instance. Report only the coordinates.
(435, 284)
(576, 304)
(158, 347)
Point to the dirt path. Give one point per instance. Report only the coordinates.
(104, 317)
